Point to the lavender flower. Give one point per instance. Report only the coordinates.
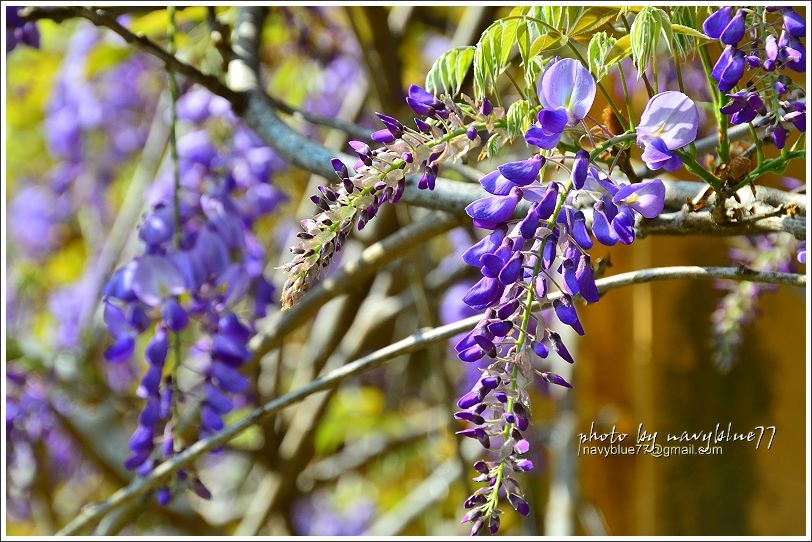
(669, 122)
(566, 92)
(195, 279)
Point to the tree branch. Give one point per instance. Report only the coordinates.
(417, 341)
(258, 110)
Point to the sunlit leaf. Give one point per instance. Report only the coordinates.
(519, 118)
(592, 19)
(599, 48)
(449, 71)
(492, 54)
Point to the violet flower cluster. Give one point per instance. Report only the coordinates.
(93, 127)
(536, 258)
(38, 448)
(203, 280)
(739, 306)
(750, 43)
(443, 131)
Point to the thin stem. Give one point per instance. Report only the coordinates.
(723, 148)
(627, 97)
(173, 151)
(692, 166)
(757, 143)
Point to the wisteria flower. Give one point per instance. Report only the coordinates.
(566, 91)
(669, 122)
(647, 198)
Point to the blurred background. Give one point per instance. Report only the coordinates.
(86, 121)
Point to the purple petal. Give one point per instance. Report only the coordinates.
(487, 245)
(670, 116)
(217, 400)
(229, 350)
(567, 83)
(717, 22)
(490, 211)
(560, 348)
(512, 271)
(601, 228)
(657, 156)
(580, 168)
(121, 350)
(156, 278)
(484, 293)
(209, 419)
(522, 172)
(646, 198)
(566, 312)
(794, 23)
(586, 280)
(155, 353)
(230, 379)
(141, 439)
(623, 225)
(117, 324)
(734, 31)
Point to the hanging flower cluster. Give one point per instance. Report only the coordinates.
(535, 258)
(769, 92)
(443, 131)
(202, 274)
(739, 306)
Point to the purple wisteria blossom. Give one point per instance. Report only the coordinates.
(539, 255)
(773, 45)
(739, 306)
(206, 279)
(566, 92)
(669, 122)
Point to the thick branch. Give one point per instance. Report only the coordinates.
(774, 210)
(258, 109)
(417, 341)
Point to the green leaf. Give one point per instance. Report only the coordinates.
(532, 70)
(519, 118)
(620, 50)
(548, 41)
(599, 48)
(449, 70)
(685, 22)
(686, 31)
(647, 29)
(492, 54)
(593, 18)
(495, 143)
